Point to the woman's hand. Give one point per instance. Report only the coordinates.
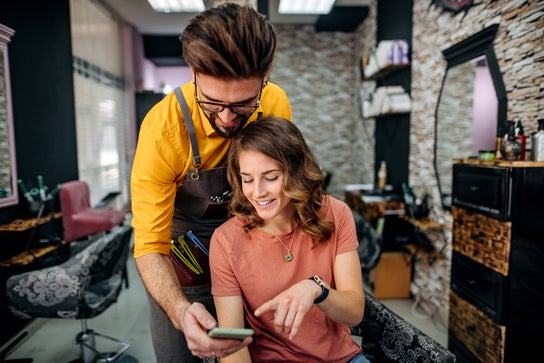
(291, 306)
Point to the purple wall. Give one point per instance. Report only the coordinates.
(484, 122)
(154, 77)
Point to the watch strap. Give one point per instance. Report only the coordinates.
(324, 289)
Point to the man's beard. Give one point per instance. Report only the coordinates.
(228, 132)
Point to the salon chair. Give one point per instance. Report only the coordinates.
(81, 288)
(386, 337)
(79, 219)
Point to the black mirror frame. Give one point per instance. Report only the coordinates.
(480, 43)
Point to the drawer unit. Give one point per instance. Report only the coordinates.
(484, 287)
(483, 190)
(497, 274)
(481, 336)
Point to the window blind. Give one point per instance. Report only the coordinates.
(100, 101)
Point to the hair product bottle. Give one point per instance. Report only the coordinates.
(520, 136)
(382, 175)
(537, 142)
(510, 147)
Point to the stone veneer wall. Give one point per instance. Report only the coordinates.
(321, 75)
(320, 71)
(455, 116)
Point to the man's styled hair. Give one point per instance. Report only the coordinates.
(303, 179)
(229, 41)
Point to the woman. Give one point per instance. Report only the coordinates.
(287, 261)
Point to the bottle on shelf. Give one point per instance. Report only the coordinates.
(382, 175)
(510, 147)
(498, 143)
(537, 142)
(529, 146)
(520, 136)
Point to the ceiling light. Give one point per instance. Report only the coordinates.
(177, 6)
(305, 6)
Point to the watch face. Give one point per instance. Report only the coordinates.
(454, 6)
(320, 282)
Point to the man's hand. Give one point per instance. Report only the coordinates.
(290, 307)
(196, 322)
(191, 318)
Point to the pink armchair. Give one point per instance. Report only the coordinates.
(79, 219)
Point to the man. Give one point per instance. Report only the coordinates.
(178, 181)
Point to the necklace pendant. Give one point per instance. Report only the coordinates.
(288, 257)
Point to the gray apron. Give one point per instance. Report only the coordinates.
(200, 206)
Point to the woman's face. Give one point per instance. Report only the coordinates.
(262, 180)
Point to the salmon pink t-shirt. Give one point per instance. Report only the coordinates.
(252, 264)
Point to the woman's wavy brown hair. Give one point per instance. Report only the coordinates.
(303, 179)
(230, 42)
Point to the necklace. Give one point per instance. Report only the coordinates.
(288, 257)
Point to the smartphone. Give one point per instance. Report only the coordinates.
(230, 333)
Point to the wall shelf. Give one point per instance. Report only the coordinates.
(387, 70)
(388, 100)
(385, 114)
(388, 56)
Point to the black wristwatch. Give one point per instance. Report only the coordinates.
(324, 289)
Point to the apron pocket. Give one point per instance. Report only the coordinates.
(215, 211)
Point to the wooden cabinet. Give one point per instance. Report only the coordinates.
(22, 239)
(497, 273)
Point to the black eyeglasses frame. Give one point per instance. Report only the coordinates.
(231, 106)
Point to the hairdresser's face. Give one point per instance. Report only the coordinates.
(227, 104)
(262, 179)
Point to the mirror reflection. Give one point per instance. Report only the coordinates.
(467, 118)
(8, 186)
(471, 108)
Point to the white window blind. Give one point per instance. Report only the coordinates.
(100, 101)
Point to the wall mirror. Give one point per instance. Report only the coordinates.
(8, 177)
(471, 108)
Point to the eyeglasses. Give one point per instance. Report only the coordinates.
(237, 108)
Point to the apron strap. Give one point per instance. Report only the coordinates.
(190, 126)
